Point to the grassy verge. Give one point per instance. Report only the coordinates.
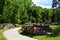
(1, 35)
(56, 36)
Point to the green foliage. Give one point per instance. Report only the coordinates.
(24, 11)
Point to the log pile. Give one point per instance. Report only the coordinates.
(37, 28)
(7, 26)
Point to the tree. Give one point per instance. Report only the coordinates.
(37, 13)
(13, 10)
(2, 2)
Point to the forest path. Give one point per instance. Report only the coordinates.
(13, 34)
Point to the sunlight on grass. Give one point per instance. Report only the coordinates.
(1, 35)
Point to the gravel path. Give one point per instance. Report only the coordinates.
(13, 34)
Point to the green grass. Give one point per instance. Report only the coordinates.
(1, 35)
(56, 36)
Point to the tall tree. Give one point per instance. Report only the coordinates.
(2, 2)
(13, 10)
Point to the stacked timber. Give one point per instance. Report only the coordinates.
(37, 28)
